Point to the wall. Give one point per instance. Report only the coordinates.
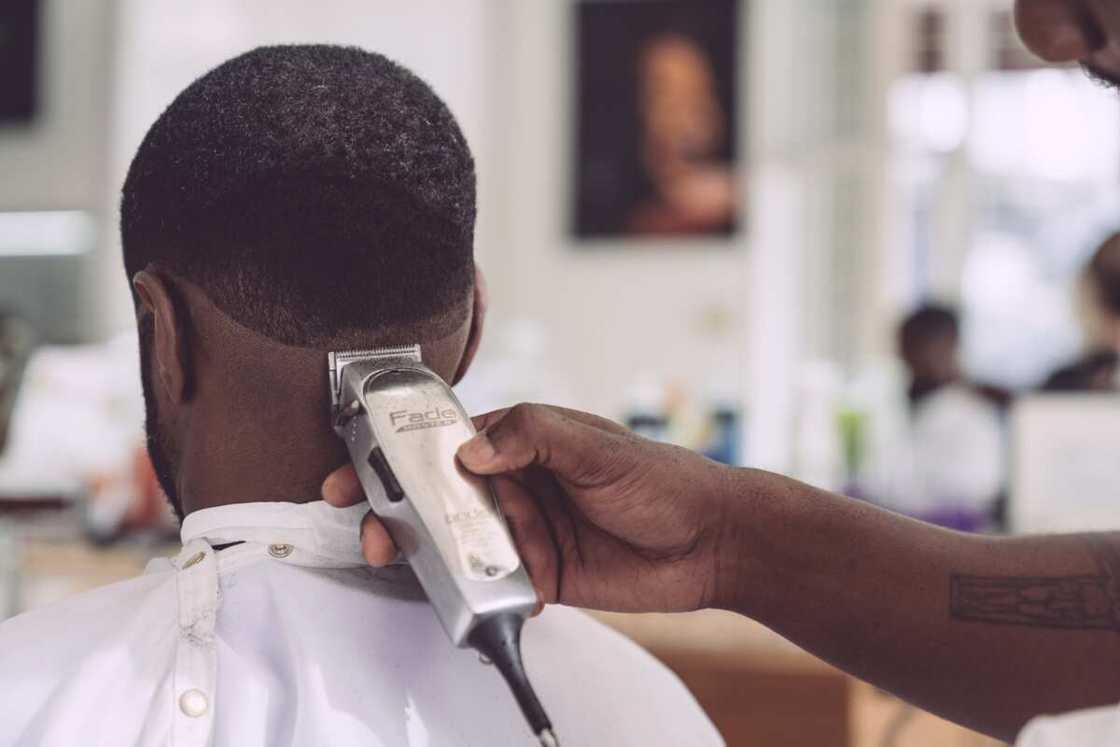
(615, 310)
(57, 161)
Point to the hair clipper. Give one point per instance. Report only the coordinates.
(402, 425)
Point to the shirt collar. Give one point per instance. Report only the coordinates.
(332, 534)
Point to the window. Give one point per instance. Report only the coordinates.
(1004, 181)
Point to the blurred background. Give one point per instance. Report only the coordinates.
(864, 242)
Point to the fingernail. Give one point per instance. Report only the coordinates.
(479, 450)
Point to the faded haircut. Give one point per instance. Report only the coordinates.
(311, 191)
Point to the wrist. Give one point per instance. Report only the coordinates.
(745, 506)
(729, 510)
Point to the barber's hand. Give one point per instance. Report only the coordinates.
(602, 518)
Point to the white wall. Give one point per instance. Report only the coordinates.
(739, 316)
(57, 161)
(674, 309)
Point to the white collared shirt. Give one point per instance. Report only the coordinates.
(1097, 727)
(290, 639)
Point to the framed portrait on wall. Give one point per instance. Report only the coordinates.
(656, 136)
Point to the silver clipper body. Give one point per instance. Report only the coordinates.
(402, 425)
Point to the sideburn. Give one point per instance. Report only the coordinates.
(160, 449)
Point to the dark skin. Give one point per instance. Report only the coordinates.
(988, 632)
(247, 419)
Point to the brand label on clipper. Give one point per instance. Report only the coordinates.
(408, 420)
(419, 428)
(483, 545)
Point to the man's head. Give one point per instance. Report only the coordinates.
(1085, 31)
(292, 201)
(927, 341)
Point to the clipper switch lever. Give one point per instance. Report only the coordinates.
(392, 488)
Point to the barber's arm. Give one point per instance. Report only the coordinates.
(987, 632)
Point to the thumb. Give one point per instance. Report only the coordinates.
(542, 436)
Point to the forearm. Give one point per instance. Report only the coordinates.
(987, 632)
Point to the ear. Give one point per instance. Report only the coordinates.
(478, 319)
(169, 339)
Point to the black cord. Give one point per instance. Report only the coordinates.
(499, 640)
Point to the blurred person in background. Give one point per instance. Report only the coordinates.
(928, 339)
(16, 342)
(953, 469)
(1099, 294)
(929, 344)
(297, 200)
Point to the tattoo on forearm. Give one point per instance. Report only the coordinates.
(1089, 602)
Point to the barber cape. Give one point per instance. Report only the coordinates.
(290, 639)
(1099, 727)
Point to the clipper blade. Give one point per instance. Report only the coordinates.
(337, 361)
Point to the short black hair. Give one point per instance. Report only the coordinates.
(929, 321)
(1104, 271)
(310, 191)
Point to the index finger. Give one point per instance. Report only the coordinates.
(488, 419)
(527, 435)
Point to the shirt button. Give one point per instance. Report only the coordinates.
(280, 551)
(193, 703)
